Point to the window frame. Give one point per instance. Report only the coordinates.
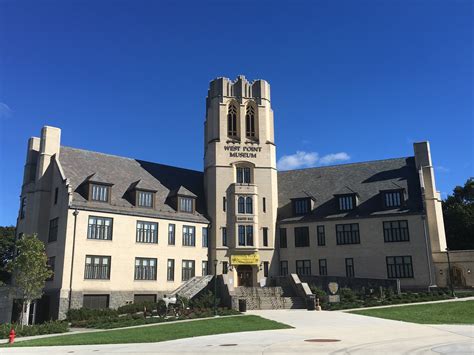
(140, 198)
(301, 206)
(282, 269)
(321, 235)
(265, 236)
(144, 275)
(108, 230)
(305, 267)
(144, 231)
(283, 241)
(250, 123)
(402, 270)
(346, 202)
(350, 268)
(185, 269)
(301, 243)
(387, 193)
(100, 265)
(186, 204)
(397, 234)
(53, 230)
(243, 175)
(170, 269)
(92, 193)
(323, 267)
(189, 239)
(171, 234)
(347, 237)
(205, 267)
(232, 121)
(205, 237)
(245, 233)
(266, 268)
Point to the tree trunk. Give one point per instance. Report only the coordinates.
(25, 314)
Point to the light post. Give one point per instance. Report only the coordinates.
(449, 275)
(215, 287)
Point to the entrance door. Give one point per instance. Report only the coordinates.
(244, 275)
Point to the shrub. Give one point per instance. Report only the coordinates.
(206, 300)
(137, 307)
(51, 327)
(86, 313)
(347, 295)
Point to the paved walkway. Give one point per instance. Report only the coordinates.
(355, 334)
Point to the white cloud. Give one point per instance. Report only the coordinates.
(442, 169)
(5, 111)
(302, 159)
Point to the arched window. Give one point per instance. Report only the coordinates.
(232, 121)
(250, 122)
(249, 205)
(241, 205)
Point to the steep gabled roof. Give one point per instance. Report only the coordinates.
(125, 173)
(367, 179)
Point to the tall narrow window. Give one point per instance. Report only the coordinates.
(224, 204)
(350, 267)
(265, 268)
(249, 205)
(265, 236)
(187, 270)
(283, 268)
(171, 234)
(56, 193)
(225, 267)
(323, 267)
(53, 230)
(224, 236)
(205, 268)
(321, 236)
(243, 175)
(283, 239)
(245, 235)
(147, 232)
(232, 121)
(264, 205)
(170, 270)
(250, 122)
(205, 238)
(189, 236)
(241, 204)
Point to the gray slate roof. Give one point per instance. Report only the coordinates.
(366, 179)
(125, 173)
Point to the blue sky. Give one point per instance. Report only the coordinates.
(351, 80)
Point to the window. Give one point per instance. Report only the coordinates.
(249, 205)
(95, 301)
(145, 199)
(232, 121)
(395, 231)
(250, 122)
(147, 232)
(99, 193)
(399, 267)
(97, 267)
(205, 238)
(224, 236)
(303, 267)
(23, 208)
(243, 175)
(347, 234)
(53, 230)
(323, 268)
(392, 198)
(241, 205)
(350, 267)
(265, 237)
(301, 237)
(170, 270)
(245, 235)
(347, 202)
(264, 204)
(283, 239)
(265, 268)
(283, 268)
(186, 204)
(205, 268)
(56, 193)
(245, 205)
(189, 236)
(99, 228)
(51, 266)
(225, 267)
(171, 234)
(224, 204)
(321, 236)
(144, 298)
(145, 269)
(187, 271)
(301, 206)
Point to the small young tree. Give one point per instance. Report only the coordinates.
(30, 271)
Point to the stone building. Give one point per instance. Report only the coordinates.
(119, 230)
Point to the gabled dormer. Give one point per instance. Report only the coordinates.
(393, 198)
(183, 200)
(346, 199)
(142, 194)
(97, 188)
(302, 205)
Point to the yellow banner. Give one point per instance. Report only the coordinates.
(247, 259)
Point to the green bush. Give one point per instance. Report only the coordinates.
(51, 327)
(347, 295)
(86, 314)
(137, 307)
(206, 300)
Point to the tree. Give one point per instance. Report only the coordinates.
(30, 271)
(458, 211)
(7, 250)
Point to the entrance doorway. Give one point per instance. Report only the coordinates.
(245, 276)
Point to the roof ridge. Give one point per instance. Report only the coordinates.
(345, 164)
(122, 157)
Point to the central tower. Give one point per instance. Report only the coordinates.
(240, 179)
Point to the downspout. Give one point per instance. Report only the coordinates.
(428, 256)
(75, 213)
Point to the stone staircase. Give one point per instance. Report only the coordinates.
(192, 287)
(269, 298)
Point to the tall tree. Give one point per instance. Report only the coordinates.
(7, 250)
(30, 271)
(458, 211)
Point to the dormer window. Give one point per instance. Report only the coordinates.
(301, 206)
(145, 199)
(186, 204)
(100, 192)
(347, 202)
(392, 198)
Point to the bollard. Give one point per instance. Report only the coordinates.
(12, 336)
(318, 306)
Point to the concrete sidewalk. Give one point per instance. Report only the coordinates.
(353, 334)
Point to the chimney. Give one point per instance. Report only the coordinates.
(49, 146)
(31, 160)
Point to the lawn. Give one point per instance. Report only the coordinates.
(162, 332)
(461, 312)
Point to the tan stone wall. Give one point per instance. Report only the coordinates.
(369, 256)
(462, 260)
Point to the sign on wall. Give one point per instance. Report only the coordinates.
(247, 259)
(237, 151)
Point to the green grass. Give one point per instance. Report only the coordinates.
(162, 332)
(461, 312)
